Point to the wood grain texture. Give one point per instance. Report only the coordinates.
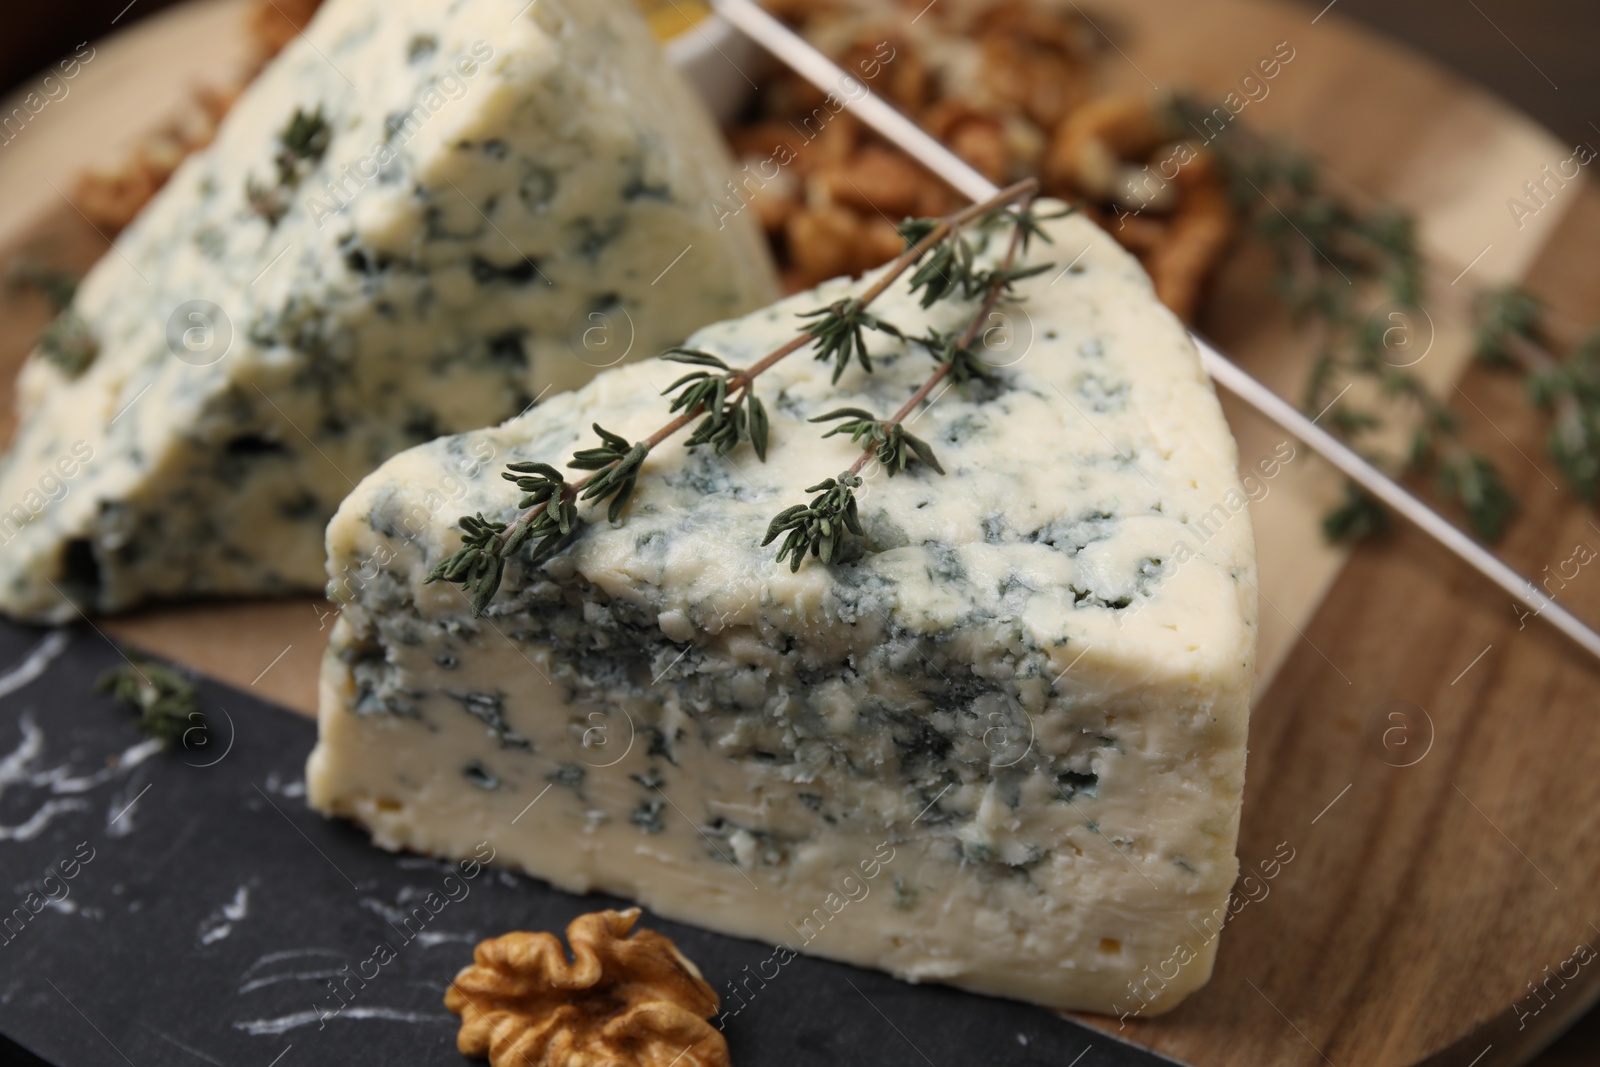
(1422, 902)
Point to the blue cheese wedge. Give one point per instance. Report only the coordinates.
(1000, 744)
(419, 219)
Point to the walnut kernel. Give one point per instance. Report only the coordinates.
(620, 1001)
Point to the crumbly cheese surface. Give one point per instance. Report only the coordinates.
(500, 209)
(999, 744)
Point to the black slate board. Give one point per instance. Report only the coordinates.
(216, 907)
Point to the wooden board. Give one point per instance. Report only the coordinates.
(1422, 899)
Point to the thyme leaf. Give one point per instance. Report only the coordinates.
(1471, 478)
(947, 269)
(914, 231)
(728, 421)
(894, 446)
(166, 700)
(840, 333)
(1359, 515)
(617, 460)
(1029, 220)
(819, 527)
(964, 361)
(1512, 334)
(479, 564)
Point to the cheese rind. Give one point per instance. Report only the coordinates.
(510, 197)
(1000, 744)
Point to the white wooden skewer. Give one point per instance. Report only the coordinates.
(799, 55)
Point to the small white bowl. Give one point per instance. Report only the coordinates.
(720, 62)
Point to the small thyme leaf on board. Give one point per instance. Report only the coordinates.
(1505, 316)
(1359, 515)
(894, 446)
(1472, 479)
(166, 699)
(840, 333)
(58, 286)
(723, 399)
(301, 145)
(69, 342)
(818, 527)
(1511, 334)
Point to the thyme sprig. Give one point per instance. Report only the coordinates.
(839, 335)
(952, 266)
(616, 462)
(819, 527)
(841, 332)
(948, 269)
(1337, 265)
(1512, 333)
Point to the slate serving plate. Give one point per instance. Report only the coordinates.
(183, 906)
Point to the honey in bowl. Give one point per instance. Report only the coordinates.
(668, 18)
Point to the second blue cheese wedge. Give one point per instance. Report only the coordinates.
(417, 221)
(999, 743)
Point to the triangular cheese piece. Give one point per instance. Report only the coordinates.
(419, 219)
(1000, 744)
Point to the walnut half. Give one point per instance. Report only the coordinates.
(621, 1001)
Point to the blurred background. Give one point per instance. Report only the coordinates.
(1539, 55)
